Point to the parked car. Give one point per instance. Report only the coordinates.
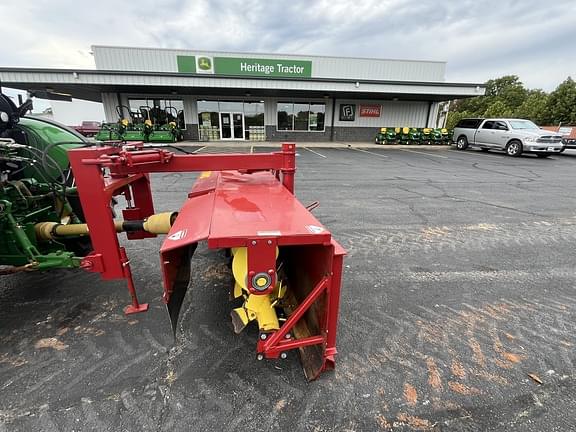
(514, 136)
(88, 128)
(568, 135)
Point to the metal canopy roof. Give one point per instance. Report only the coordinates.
(89, 85)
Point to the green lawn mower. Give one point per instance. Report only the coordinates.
(435, 136)
(446, 136)
(164, 125)
(110, 132)
(404, 135)
(387, 135)
(166, 133)
(410, 136)
(380, 137)
(415, 136)
(137, 128)
(426, 136)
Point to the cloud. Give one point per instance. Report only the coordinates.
(479, 39)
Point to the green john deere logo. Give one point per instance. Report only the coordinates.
(204, 63)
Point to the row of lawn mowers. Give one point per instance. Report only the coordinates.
(407, 135)
(160, 125)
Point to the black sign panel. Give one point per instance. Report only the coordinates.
(347, 112)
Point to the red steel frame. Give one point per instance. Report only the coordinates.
(104, 172)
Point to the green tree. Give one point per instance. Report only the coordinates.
(503, 95)
(561, 105)
(507, 89)
(455, 116)
(477, 105)
(507, 97)
(498, 109)
(534, 107)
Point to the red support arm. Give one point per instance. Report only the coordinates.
(95, 199)
(272, 345)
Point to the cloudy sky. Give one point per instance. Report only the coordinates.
(480, 39)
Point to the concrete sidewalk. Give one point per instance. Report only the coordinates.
(326, 144)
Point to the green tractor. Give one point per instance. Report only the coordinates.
(165, 128)
(137, 127)
(37, 192)
(387, 135)
(110, 132)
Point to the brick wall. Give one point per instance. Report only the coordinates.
(340, 134)
(355, 133)
(191, 132)
(273, 135)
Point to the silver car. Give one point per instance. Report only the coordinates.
(514, 136)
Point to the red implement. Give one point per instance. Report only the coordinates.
(245, 202)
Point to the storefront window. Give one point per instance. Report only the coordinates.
(230, 106)
(285, 116)
(301, 116)
(254, 121)
(234, 120)
(254, 109)
(317, 115)
(208, 120)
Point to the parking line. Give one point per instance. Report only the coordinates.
(197, 150)
(369, 152)
(251, 149)
(424, 153)
(316, 153)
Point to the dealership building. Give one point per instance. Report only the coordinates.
(257, 97)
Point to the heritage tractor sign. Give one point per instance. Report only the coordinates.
(245, 66)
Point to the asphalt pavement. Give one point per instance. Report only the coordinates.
(458, 312)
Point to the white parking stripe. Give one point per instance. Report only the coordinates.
(197, 150)
(251, 149)
(425, 153)
(369, 152)
(316, 153)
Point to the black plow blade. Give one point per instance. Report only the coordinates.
(180, 286)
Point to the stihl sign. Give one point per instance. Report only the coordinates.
(370, 110)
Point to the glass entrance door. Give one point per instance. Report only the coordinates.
(231, 126)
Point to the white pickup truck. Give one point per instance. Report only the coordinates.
(514, 136)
